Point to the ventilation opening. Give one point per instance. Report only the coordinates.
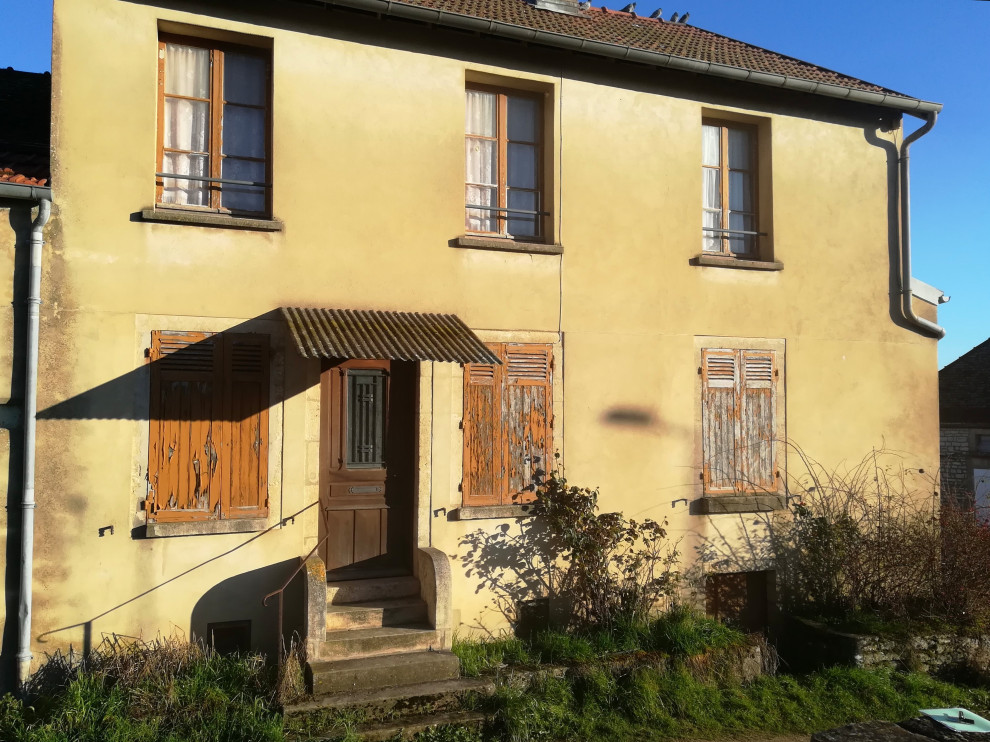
(742, 599)
(229, 637)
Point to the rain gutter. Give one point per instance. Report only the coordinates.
(628, 53)
(29, 195)
(907, 294)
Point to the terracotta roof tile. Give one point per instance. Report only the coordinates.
(25, 114)
(648, 34)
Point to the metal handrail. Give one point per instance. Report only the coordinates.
(510, 211)
(280, 592)
(179, 176)
(733, 231)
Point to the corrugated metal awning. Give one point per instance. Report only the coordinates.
(400, 336)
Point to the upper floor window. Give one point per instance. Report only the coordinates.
(504, 155)
(214, 120)
(729, 195)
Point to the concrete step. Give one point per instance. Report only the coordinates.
(352, 643)
(410, 726)
(434, 696)
(376, 613)
(407, 668)
(361, 591)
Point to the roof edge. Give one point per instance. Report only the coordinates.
(902, 103)
(23, 191)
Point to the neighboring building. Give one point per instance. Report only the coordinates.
(344, 275)
(964, 420)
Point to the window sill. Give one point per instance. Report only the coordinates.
(208, 219)
(506, 245)
(721, 504)
(482, 512)
(205, 527)
(727, 261)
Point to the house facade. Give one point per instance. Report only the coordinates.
(964, 427)
(340, 278)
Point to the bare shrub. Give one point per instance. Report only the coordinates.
(866, 541)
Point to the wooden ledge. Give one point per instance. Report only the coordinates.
(727, 261)
(207, 219)
(505, 245)
(721, 504)
(492, 511)
(205, 527)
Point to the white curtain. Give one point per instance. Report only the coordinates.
(711, 187)
(481, 161)
(187, 124)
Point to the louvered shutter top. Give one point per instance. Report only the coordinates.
(758, 369)
(527, 365)
(719, 368)
(184, 352)
(248, 355)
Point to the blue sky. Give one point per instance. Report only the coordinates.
(931, 49)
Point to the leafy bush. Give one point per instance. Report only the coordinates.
(614, 570)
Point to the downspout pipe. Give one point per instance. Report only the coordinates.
(30, 414)
(907, 304)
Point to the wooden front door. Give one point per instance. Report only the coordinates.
(367, 457)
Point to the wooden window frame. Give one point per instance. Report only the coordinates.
(502, 147)
(742, 482)
(499, 451)
(724, 126)
(217, 50)
(224, 373)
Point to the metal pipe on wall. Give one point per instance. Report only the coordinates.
(30, 412)
(907, 295)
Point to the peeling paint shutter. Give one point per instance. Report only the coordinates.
(246, 426)
(483, 464)
(527, 411)
(758, 416)
(208, 441)
(720, 418)
(183, 458)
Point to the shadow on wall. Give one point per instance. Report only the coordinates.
(510, 564)
(231, 611)
(246, 592)
(126, 397)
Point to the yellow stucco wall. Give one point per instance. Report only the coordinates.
(368, 180)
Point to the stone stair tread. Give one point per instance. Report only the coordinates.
(412, 600)
(406, 728)
(363, 673)
(344, 592)
(393, 693)
(379, 632)
(413, 724)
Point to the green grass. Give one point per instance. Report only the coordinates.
(644, 703)
(679, 632)
(165, 692)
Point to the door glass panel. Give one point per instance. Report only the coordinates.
(365, 422)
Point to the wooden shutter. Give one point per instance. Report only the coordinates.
(528, 405)
(758, 416)
(719, 419)
(183, 450)
(246, 426)
(483, 465)
(208, 440)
